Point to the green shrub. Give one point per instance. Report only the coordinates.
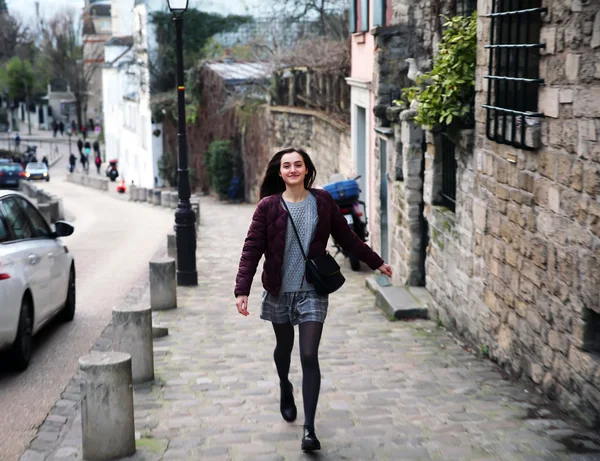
(447, 93)
(219, 166)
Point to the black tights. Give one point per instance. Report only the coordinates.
(310, 337)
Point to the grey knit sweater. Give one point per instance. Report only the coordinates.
(305, 217)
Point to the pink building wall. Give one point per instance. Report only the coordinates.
(362, 65)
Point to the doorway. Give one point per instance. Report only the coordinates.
(383, 199)
(361, 151)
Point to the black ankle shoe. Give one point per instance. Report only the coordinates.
(309, 440)
(287, 405)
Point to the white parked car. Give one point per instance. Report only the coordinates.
(37, 276)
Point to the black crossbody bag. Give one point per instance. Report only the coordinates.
(323, 271)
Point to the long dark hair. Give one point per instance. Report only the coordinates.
(273, 183)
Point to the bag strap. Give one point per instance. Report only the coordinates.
(294, 226)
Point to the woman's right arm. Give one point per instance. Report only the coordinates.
(254, 248)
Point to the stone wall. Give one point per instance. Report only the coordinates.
(516, 267)
(537, 219)
(326, 141)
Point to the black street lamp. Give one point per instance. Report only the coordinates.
(185, 218)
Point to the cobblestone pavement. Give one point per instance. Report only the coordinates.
(391, 391)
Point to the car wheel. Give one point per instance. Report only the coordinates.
(20, 354)
(68, 312)
(47, 179)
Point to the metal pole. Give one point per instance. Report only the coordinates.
(185, 218)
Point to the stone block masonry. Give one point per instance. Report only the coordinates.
(515, 268)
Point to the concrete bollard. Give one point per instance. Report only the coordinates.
(163, 284)
(150, 196)
(156, 197)
(196, 208)
(107, 420)
(174, 199)
(172, 247)
(132, 334)
(132, 193)
(45, 211)
(141, 194)
(54, 210)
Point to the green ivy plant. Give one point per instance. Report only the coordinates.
(446, 95)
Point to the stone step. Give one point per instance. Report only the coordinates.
(400, 303)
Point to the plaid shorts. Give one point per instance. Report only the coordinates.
(294, 307)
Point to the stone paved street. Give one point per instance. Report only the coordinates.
(395, 391)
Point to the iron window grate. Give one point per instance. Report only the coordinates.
(448, 194)
(513, 72)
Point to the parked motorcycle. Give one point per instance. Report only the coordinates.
(112, 171)
(346, 194)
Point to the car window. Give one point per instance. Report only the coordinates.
(4, 234)
(11, 167)
(40, 227)
(17, 220)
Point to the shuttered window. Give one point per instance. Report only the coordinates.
(364, 15)
(352, 16)
(379, 12)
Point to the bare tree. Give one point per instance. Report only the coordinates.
(67, 56)
(330, 14)
(12, 35)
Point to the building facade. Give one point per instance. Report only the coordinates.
(131, 137)
(500, 220)
(97, 29)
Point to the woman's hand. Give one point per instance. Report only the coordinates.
(385, 269)
(242, 305)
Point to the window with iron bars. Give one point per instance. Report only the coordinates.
(463, 7)
(448, 193)
(513, 73)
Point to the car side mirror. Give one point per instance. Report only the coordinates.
(63, 229)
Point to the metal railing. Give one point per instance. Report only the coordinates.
(513, 73)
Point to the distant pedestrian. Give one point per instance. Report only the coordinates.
(61, 127)
(17, 140)
(96, 147)
(45, 161)
(80, 146)
(293, 220)
(98, 162)
(54, 127)
(84, 131)
(73, 126)
(72, 162)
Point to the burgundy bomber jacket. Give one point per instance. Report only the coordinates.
(267, 236)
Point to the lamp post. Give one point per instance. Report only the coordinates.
(185, 218)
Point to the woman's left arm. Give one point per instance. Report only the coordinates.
(350, 242)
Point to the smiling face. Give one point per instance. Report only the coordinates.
(293, 169)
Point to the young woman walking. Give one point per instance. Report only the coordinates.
(290, 298)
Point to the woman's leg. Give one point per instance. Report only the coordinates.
(310, 338)
(284, 333)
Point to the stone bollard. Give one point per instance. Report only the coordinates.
(163, 284)
(156, 197)
(172, 247)
(132, 193)
(196, 208)
(45, 211)
(107, 420)
(54, 210)
(174, 199)
(141, 197)
(132, 334)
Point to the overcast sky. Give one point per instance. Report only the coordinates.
(26, 8)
